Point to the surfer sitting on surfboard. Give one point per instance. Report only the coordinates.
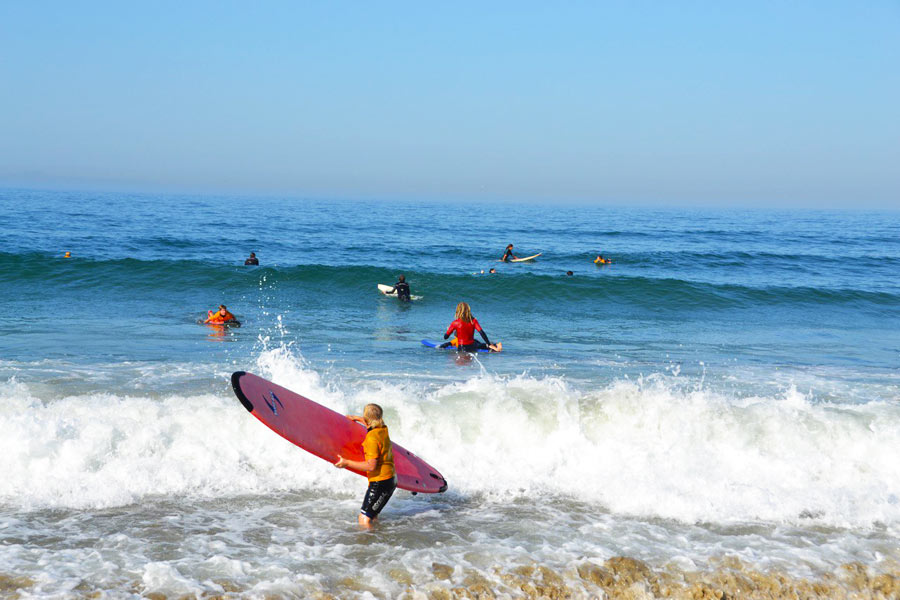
(221, 317)
(402, 289)
(378, 466)
(508, 254)
(465, 327)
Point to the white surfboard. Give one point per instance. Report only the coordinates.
(532, 257)
(386, 290)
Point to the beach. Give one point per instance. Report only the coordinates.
(716, 414)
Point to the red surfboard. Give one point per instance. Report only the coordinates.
(324, 432)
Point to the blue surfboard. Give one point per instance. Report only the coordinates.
(437, 346)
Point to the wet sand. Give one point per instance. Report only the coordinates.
(617, 578)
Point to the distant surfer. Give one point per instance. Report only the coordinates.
(401, 288)
(221, 317)
(602, 261)
(465, 327)
(508, 254)
(569, 273)
(252, 260)
(67, 254)
(378, 466)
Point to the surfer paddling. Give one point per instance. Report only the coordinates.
(465, 327)
(221, 317)
(378, 466)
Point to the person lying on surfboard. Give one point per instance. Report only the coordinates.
(221, 317)
(602, 261)
(378, 466)
(465, 327)
(508, 254)
(402, 289)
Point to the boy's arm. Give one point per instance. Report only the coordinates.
(359, 465)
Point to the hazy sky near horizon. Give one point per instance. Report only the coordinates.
(767, 103)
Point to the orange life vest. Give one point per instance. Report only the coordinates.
(218, 317)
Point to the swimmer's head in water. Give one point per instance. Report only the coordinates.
(568, 272)
(493, 270)
(463, 312)
(373, 415)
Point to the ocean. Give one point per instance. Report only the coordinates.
(718, 410)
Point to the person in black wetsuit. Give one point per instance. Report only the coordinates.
(508, 254)
(252, 260)
(402, 289)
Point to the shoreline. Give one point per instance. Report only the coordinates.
(616, 578)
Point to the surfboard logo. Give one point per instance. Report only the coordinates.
(275, 401)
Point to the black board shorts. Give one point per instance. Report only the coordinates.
(377, 495)
(475, 346)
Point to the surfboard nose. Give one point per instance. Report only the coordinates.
(236, 384)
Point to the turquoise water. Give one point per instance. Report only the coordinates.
(730, 366)
(796, 289)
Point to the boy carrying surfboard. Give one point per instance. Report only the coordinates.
(378, 466)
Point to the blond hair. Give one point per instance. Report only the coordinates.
(373, 415)
(463, 312)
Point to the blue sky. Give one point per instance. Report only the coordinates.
(718, 103)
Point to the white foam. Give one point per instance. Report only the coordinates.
(648, 448)
(100, 451)
(653, 447)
